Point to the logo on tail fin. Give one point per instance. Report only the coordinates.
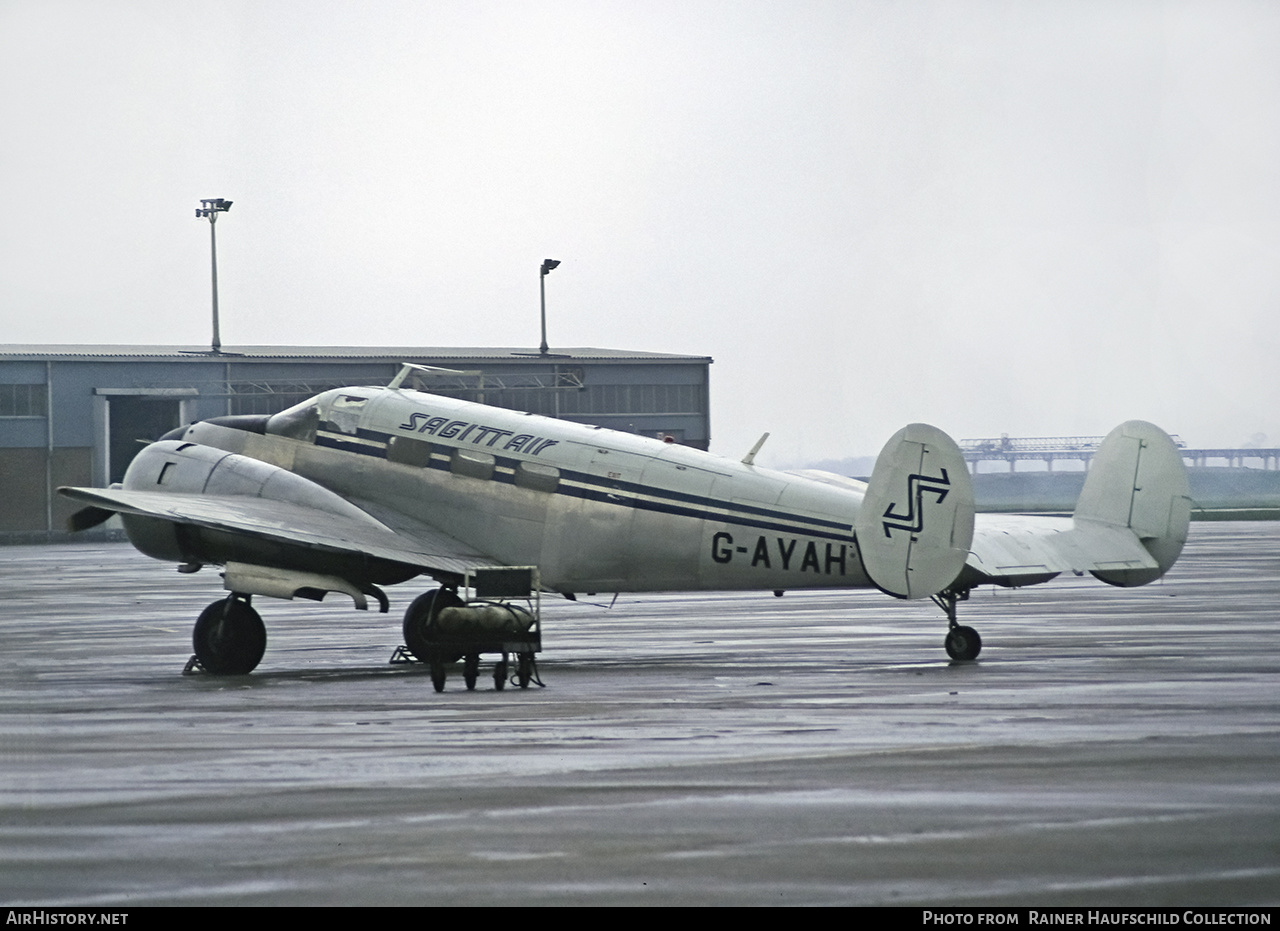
(917, 485)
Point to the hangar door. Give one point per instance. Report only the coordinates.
(134, 419)
(128, 419)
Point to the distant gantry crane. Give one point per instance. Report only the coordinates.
(1051, 449)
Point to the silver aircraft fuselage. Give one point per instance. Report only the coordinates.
(594, 509)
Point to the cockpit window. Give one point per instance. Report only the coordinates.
(298, 422)
(344, 413)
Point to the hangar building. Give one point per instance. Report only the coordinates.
(74, 415)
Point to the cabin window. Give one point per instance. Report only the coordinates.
(537, 476)
(471, 463)
(408, 451)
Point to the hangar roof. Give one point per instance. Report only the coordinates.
(105, 352)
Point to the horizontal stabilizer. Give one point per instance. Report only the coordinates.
(1015, 550)
(915, 525)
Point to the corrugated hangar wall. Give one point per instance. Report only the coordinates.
(76, 415)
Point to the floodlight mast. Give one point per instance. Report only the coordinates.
(547, 266)
(211, 207)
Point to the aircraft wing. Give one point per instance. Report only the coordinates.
(1023, 549)
(413, 543)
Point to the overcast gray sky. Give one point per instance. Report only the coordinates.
(998, 217)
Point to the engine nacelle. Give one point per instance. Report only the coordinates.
(191, 469)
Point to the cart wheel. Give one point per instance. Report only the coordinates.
(500, 673)
(438, 673)
(471, 669)
(524, 670)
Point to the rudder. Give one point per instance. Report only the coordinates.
(915, 525)
(1137, 480)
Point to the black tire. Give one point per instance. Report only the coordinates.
(438, 673)
(963, 643)
(418, 617)
(471, 670)
(500, 674)
(524, 670)
(229, 638)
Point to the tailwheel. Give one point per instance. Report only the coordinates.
(962, 643)
(229, 637)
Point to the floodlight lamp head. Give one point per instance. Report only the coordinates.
(211, 206)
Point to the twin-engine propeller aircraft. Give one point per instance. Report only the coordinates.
(363, 487)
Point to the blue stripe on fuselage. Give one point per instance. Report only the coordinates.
(616, 492)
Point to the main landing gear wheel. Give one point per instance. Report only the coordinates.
(419, 615)
(229, 637)
(963, 643)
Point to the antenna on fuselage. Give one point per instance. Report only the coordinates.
(750, 458)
